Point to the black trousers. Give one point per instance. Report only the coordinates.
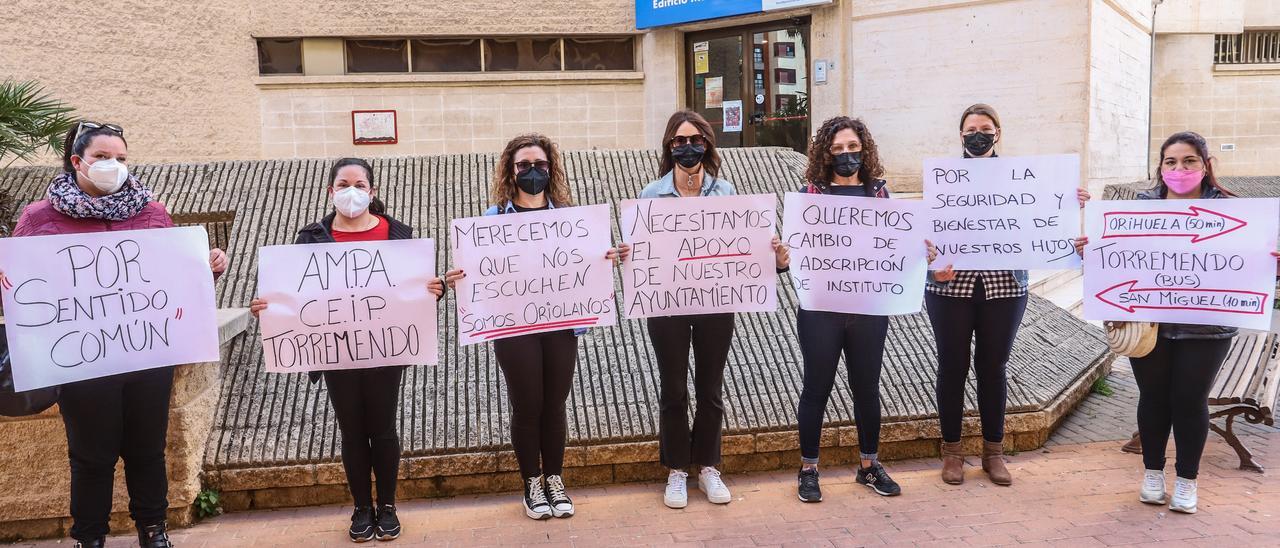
(823, 337)
(539, 372)
(1174, 381)
(991, 326)
(365, 402)
(710, 336)
(121, 416)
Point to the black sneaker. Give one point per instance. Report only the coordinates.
(809, 490)
(388, 523)
(153, 536)
(879, 481)
(561, 504)
(535, 499)
(362, 528)
(99, 542)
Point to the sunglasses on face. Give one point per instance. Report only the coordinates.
(522, 167)
(90, 126)
(682, 140)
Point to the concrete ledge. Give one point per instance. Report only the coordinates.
(429, 476)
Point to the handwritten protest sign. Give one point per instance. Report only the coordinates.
(1004, 213)
(347, 305)
(856, 255)
(84, 306)
(1181, 261)
(699, 255)
(533, 272)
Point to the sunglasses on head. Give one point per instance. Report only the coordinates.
(90, 126)
(682, 140)
(524, 166)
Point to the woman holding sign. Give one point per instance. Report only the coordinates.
(843, 161)
(538, 367)
(121, 416)
(1175, 378)
(365, 401)
(690, 167)
(983, 308)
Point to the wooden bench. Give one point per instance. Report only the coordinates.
(1246, 386)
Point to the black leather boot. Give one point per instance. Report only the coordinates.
(154, 536)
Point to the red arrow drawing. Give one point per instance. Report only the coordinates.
(1224, 223)
(1128, 298)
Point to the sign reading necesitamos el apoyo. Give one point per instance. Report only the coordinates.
(1202, 262)
(657, 13)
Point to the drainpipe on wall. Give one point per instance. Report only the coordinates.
(1151, 85)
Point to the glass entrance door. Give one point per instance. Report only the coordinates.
(752, 83)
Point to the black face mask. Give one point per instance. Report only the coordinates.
(533, 181)
(688, 156)
(846, 164)
(978, 144)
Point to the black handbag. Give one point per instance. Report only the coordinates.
(20, 404)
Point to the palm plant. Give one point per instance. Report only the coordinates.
(30, 121)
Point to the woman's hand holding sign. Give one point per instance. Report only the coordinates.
(1080, 243)
(1082, 196)
(436, 287)
(781, 253)
(946, 274)
(451, 277)
(218, 261)
(620, 253)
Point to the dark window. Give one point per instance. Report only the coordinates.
(531, 54)
(446, 55)
(615, 53)
(784, 76)
(377, 56)
(279, 56)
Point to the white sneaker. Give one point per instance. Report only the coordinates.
(561, 504)
(1153, 487)
(1184, 496)
(709, 482)
(677, 495)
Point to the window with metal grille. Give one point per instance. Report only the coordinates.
(1249, 47)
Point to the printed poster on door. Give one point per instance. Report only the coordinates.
(701, 57)
(1204, 262)
(732, 116)
(715, 92)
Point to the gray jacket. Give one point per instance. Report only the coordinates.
(1183, 330)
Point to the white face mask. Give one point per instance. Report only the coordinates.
(107, 175)
(352, 202)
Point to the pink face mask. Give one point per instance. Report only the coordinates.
(1182, 181)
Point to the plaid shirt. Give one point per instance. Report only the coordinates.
(996, 284)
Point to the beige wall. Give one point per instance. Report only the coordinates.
(176, 75)
(1119, 80)
(1227, 104)
(915, 70)
(316, 122)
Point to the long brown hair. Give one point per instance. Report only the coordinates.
(1202, 149)
(504, 190)
(819, 170)
(710, 160)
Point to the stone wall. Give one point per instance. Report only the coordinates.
(35, 478)
(1119, 79)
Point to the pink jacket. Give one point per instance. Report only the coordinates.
(41, 219)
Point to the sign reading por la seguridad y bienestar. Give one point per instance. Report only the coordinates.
(657, 13)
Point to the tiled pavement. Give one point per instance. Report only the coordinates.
(1077, 491)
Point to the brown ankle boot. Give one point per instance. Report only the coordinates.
(952, 463)
(993, 463)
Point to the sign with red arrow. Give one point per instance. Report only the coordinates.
(1197, 223)
(1205, 262)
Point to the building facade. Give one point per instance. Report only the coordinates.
(235, 79)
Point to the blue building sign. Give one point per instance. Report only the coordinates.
(658, 13)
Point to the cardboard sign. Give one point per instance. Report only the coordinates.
(699, 255)
(1014, 213)
(533, 272)
(1202, 262)
(347, 305)
(84, 306)
(856, 255)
